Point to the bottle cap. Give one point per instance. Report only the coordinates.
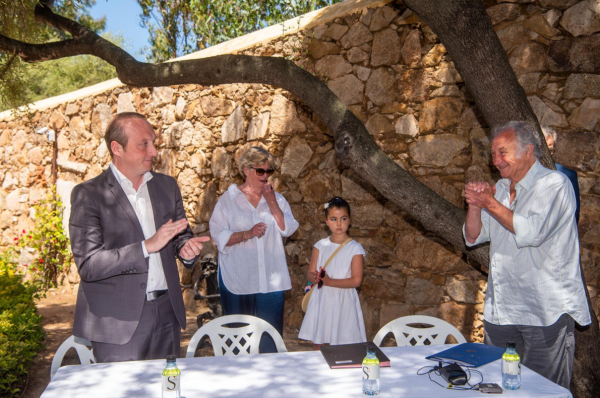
(171, 358)
(370, 347)
(511, 344)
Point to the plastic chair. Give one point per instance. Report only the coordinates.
(86, 356)
(234, 335)
(407, 335)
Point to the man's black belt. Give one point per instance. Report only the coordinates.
(155, 294)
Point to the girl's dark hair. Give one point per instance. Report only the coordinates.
(338, 203)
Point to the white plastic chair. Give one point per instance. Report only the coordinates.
(86, 356)
(407, 335)
(230, 339)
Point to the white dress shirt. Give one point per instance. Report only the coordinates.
(534, 274)
(257, 265)
(142, 205)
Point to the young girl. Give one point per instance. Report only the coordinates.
(334, 315)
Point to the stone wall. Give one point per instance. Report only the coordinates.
(396, 76)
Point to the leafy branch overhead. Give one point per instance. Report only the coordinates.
(21, 82)
(182, 26)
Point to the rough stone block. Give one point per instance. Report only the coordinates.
(284, 117)
(386, 48)
(162, 95)
(221, 163)
(382, 17)
(583, 19)
(503, 12)
(332, 67)
(582, 85)
(529, 57)
(319, 49)
(258, 126)
(422, 292)
(125, 103)
(296, 156)
(407, 125)
(381, 87)
(440, 113)
(357, 35)
(348, 88)
(575, 55)
(586, 115)
(233, 128)
(411, 48)
(101, 117)
(545, 114)
(379, 124)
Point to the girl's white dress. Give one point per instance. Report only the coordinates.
(334, 314)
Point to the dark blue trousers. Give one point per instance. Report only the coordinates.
(266, 306)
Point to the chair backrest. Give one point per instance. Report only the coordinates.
(407, 335)
(86, 356)
(234, 335)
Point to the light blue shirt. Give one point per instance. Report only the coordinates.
(534, 274)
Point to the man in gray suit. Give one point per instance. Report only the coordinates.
(127, 226)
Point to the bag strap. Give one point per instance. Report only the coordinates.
(336, 252)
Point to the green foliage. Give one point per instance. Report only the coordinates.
(21, 332)
(64, 75)
(49, 242)
(180, 27)
(22, 83)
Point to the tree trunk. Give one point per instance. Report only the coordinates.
(466, 31)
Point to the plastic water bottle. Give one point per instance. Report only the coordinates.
(171, 378)
(370, 370)
(511, 368)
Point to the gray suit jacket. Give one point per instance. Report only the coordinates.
(106, 241)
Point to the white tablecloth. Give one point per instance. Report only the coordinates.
(293, 374)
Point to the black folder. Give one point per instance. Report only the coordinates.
(350, 355)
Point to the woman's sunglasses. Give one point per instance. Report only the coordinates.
(322, 275)
(261, 172)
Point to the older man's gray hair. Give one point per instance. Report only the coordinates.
(549, 132)
(523, 132)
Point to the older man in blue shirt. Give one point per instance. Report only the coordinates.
(535, 292)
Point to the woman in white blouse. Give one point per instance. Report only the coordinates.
(248, 226)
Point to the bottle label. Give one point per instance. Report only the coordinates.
(371, 372)
(171, 383)
(511, 367)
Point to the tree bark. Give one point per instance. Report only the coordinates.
(466, 31)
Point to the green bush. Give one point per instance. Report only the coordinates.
(21, 332)
(49, 242)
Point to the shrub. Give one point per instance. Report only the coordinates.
(49, 241)
(21, 332)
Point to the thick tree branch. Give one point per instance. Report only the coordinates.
(43, 14)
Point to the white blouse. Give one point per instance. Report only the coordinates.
(256, 265)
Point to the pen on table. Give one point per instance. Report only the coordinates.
(347, 361)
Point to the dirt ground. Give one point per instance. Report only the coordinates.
(57, 311)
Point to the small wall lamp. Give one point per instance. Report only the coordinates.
(48, 132)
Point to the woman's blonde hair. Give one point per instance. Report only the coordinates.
(254, 156)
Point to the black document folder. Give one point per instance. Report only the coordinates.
(350, 355)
